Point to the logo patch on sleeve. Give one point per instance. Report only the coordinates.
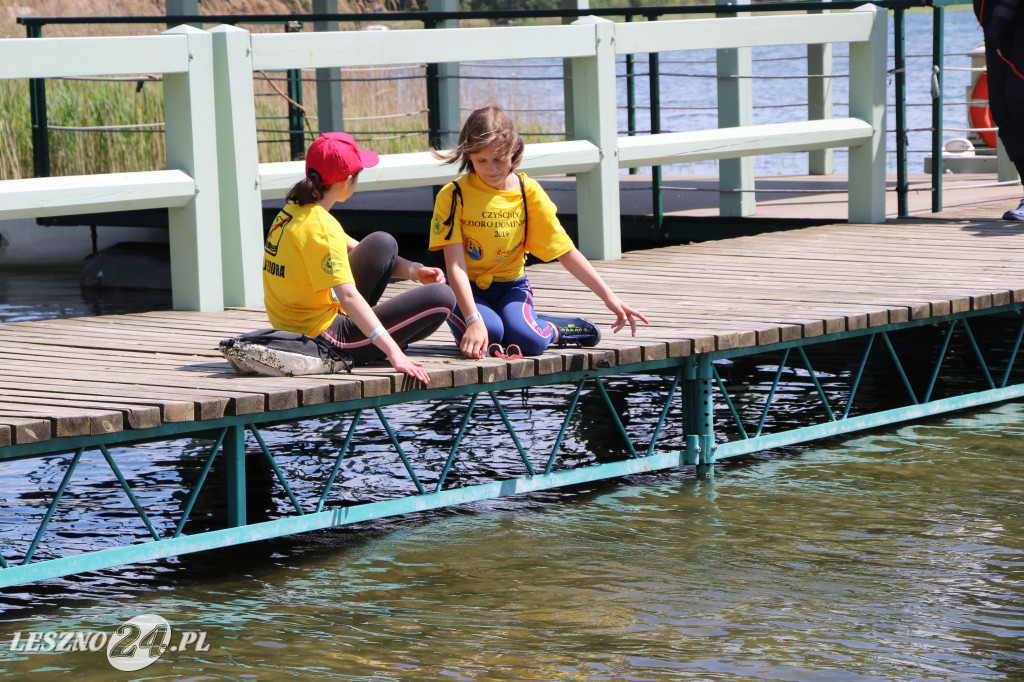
(329, 262)
(437, 227)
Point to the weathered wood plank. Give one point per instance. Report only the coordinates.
(141, 412)
(89, 375)
(26, 430)
(66, 421)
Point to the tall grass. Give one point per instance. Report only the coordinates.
(106, 105)
(386, 114)
(385, 108)
(15, 130)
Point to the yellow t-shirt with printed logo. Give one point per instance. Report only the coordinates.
(306, 253)
(491, 225)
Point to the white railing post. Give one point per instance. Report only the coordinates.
(241, 209)
(867, 102)
(196, 280)
(595, 120)
(735, 108)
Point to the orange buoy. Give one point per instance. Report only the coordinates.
(981, 115)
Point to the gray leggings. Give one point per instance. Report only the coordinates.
(409, 317)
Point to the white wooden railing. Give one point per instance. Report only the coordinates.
(189, 186)
(216, 234)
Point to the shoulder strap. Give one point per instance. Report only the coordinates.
(526, 210)
(456, 198)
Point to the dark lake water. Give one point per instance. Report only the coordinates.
(895, 555)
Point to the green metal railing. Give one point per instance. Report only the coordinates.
(691, 386)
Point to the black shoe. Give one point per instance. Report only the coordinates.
(573, 331)
(1015, 213)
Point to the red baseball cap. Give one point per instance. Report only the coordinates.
(336, 156)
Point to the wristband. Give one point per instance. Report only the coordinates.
(473, 318)
(379, 331)
(412, 268)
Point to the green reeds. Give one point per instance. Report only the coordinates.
(385, 108)
(15, 131)
(115, 125)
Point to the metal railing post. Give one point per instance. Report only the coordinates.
(443, 97)
(654, 90)
(296, 115)
(433, 106)
(182, 8)
(330, 114)
(900, 66)
(938, 25)
(37, 112)
(630, 95)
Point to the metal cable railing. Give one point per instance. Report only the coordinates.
(299, 118)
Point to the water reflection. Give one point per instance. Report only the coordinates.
(50, 293)
(895, 555)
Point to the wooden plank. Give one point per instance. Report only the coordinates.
(167, 410)
(22, 430)
(737, 293)
(65, 421)
(207, 393)
(133, 415)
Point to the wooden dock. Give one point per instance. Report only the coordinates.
(87, 377)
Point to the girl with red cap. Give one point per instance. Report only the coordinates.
(322, 288)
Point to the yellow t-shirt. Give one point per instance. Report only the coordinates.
(306, 253)
(491, 225)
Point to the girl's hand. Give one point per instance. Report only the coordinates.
(474, 341)
(624, 314)
(428, 275)
(406, 365)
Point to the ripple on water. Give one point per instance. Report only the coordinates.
(894, 555)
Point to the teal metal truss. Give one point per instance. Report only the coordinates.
(700, 420)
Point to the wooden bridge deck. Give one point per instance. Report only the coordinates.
(90, 376)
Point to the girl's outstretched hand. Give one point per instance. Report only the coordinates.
(428, 275)
(406, 365)
(475, 341)
(624, 314)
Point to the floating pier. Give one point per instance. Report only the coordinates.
(87, 387)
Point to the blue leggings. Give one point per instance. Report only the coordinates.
(507, 309)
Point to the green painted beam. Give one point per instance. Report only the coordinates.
(185, 544)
